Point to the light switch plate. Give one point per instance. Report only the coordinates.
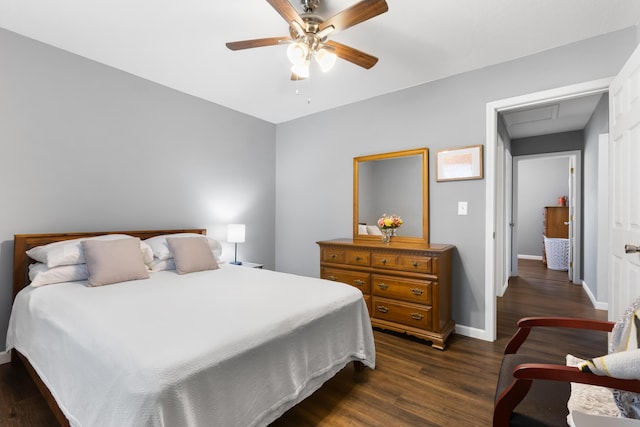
(463, 208)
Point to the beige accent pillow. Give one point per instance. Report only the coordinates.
(114, 261)
(191, 254)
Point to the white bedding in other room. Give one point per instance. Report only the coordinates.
(229, 347)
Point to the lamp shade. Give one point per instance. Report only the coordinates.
(235, 233)
(326, 59)
(301, 70)
(297, 53)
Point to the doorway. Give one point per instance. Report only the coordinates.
(539, 181)
(495, 202)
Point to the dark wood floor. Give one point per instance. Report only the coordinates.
(413, 384)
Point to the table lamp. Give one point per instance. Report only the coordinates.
(235, 234)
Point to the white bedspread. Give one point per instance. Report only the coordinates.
(235, 346)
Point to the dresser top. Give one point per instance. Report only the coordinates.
(378, 244)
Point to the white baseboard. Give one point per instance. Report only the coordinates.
(470, 332)
(534, 257)
(596, 304)
(5, 357)
(503, 289)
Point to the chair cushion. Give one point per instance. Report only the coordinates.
(546, 402)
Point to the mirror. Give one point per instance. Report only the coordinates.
(392, 183)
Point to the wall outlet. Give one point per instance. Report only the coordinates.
(463, 208)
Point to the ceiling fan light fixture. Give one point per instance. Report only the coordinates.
(297, 53)
(301, 70)
(308, 34)
(326, 59)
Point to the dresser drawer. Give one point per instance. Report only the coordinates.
(359, 258)
(417, 263)
(360, 280)
(382, 260)
(415, 315)
(418, 291)
(338, 256)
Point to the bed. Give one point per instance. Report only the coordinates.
(230, 346)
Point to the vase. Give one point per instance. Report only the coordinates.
(386, 234)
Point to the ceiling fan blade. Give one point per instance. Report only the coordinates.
(248, 44)
(352, 55)
(296, 77)
(359, 12)
(287, 11)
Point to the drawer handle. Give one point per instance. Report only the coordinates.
(359, 282)
(416, 291)
(383, 286)
(382, 309)
(415, 264)
(416, 316)
(384, 260)
(358, 258)
(334, 278)
(334, 256)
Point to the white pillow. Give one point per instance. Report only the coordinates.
(69, 252)
(374, 230)
(40, 274)
(362, 229)
(162, 264)
(590, 399)
(161, 249)
(147, 253)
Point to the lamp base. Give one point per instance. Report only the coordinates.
(236, 262)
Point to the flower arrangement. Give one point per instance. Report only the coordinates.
(389, 221)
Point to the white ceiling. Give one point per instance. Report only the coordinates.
(181, 44)
(555, 117)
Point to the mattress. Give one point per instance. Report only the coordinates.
(234, 346)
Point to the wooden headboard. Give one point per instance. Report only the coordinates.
(23, 242)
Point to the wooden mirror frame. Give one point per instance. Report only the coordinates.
(424, 152)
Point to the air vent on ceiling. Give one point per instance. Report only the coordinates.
(548, 112)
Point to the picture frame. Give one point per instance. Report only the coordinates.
(460, 163)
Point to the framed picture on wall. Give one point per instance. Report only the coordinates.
(459, 163)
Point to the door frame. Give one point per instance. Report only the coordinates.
(492, 262)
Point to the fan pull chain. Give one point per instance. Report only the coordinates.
(298, 91)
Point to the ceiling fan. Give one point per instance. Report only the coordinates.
(308, 34)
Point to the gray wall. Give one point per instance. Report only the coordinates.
(599, 123)
(314, 174)
(540, 182)
(86, 147)
(552, 143)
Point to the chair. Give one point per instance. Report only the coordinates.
(546, 386)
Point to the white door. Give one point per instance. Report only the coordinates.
(624, 158)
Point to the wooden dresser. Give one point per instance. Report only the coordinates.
(555, 225)
(556, 221)
(407, 287)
